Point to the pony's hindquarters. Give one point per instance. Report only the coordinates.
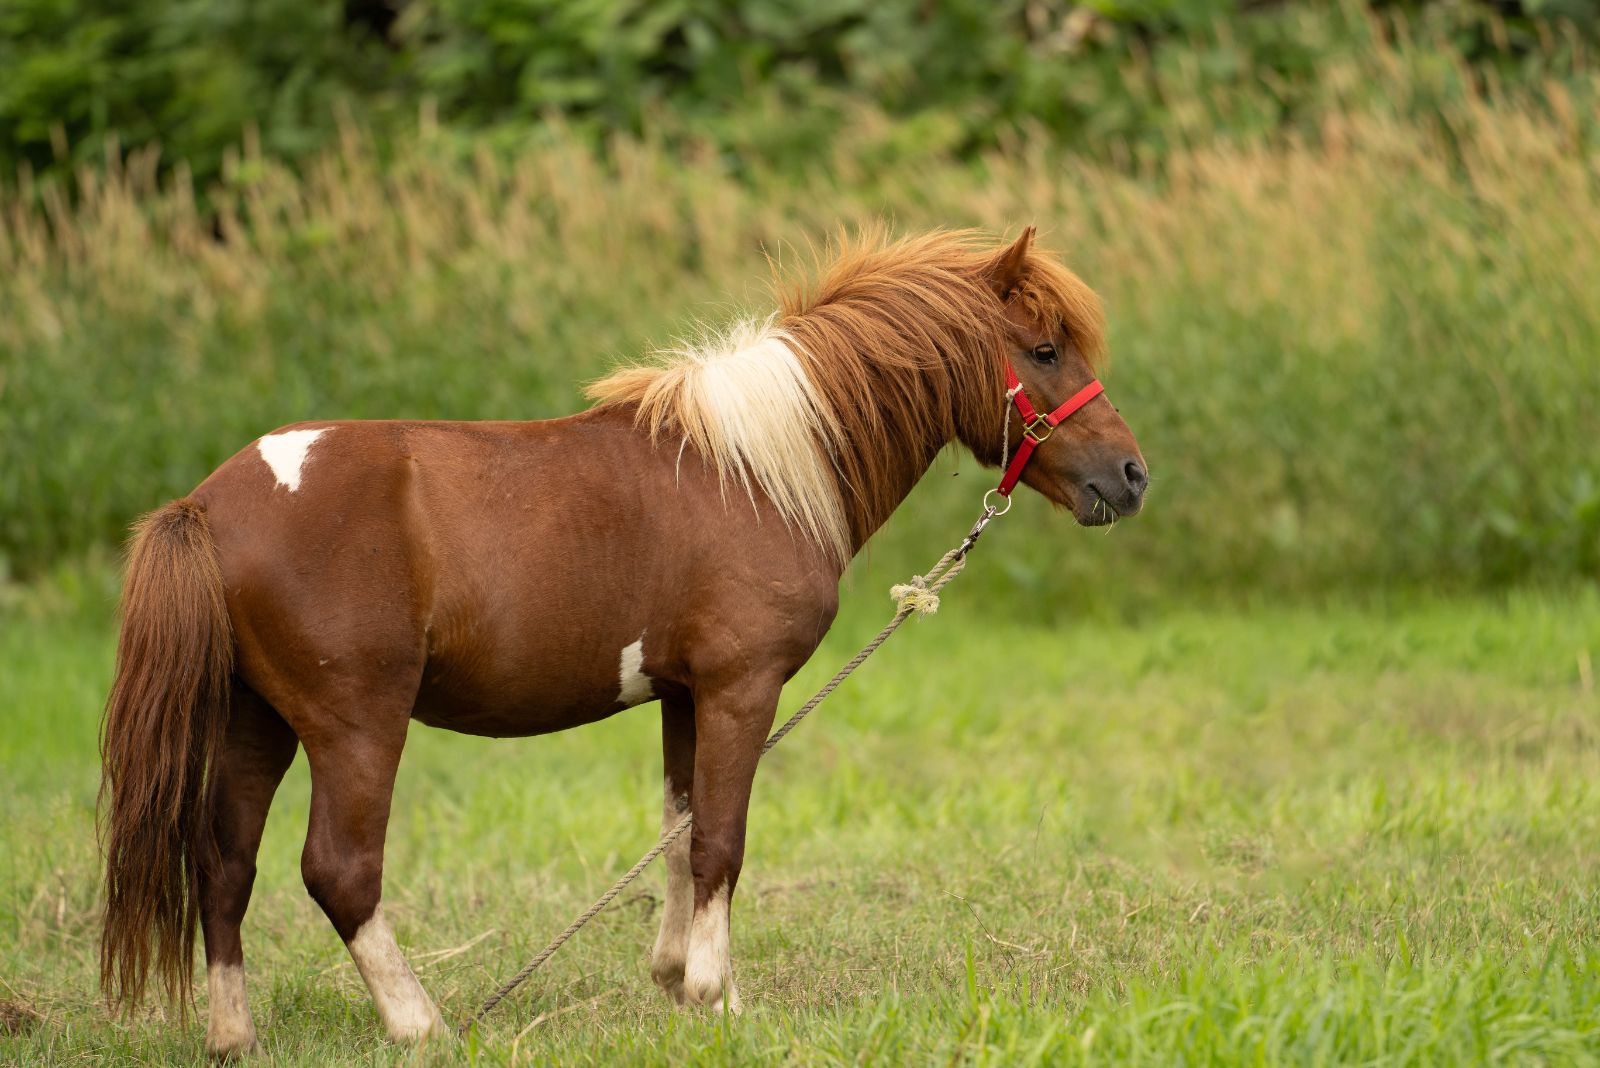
(162, 729)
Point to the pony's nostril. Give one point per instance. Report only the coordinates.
(1135, 476)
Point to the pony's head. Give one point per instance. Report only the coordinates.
(1053, 335)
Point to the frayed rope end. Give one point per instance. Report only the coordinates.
(915, 596)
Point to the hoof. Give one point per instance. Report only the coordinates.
(417, 1030)
(718, 995)
(231, 1047)
(668, 975)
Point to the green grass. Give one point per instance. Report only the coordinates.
(1325, 834)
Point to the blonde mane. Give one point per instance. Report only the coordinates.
(833, 406)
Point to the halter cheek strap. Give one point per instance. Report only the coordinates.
(1035, 427)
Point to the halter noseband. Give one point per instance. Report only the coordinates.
(1036, 427)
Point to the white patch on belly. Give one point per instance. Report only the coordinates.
(286, 453)
(635, 684)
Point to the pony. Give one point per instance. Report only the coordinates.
(679, 542)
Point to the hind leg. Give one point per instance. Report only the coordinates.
(257, 748)
(352, 780)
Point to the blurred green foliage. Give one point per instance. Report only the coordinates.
(1349, 256)
(79, 78)
(763, 80)
(1365, 361)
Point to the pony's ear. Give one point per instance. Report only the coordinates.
(1010, 266)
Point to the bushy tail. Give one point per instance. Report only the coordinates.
(161, 733)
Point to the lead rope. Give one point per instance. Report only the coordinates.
(919, 596)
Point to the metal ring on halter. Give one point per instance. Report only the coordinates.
(993, 511)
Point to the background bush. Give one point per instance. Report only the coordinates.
(767, 82)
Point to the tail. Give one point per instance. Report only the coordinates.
(159, 740)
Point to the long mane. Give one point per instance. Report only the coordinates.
(896, 349)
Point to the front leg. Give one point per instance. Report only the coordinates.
(677, 751)
(732, 718)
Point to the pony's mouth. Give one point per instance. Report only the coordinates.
(1099, 511)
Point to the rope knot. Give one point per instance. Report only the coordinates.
(914, 596)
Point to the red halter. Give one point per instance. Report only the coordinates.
(1036, 427)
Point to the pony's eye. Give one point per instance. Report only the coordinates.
(1045, 353)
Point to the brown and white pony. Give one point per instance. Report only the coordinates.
(681, 542)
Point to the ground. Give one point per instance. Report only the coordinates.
(1277, 835)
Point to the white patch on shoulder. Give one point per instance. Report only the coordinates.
(286, 453)
(635, 684)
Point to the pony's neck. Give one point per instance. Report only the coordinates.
(897, 418)
(902, 460)
(903, 361)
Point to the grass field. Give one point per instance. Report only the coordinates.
(1315, 835)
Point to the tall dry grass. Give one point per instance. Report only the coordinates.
(1368, 357)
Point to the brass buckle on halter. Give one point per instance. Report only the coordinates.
(1031, 430)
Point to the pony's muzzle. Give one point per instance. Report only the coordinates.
(1116, 494)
